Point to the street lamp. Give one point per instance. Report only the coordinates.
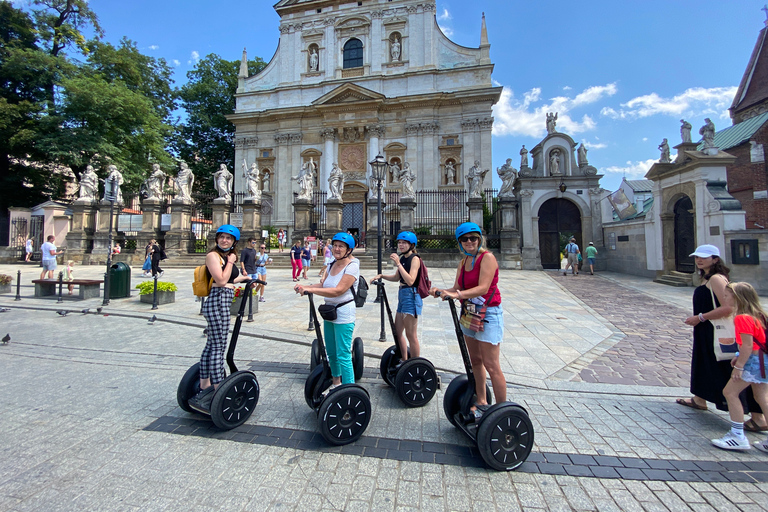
(110, 192)
(379, 166)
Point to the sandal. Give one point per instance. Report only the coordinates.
(752, 426)
(690, 403)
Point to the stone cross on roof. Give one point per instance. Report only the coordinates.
(765, 8)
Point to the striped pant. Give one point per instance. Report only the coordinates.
(216, 311)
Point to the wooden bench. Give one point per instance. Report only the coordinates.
(87, 288)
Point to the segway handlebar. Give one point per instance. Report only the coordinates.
(255, 281)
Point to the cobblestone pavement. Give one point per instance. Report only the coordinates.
(90, 420)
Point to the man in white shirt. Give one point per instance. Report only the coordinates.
(49, 253)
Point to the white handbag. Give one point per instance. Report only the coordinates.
(725, 335)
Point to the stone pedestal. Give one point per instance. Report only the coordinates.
(177, 239)
(475, 206)
(509, 237)
(251, 220)
(80, 237)
(372, 233)
(682, 148)
(101, 236)
(151, 209)
(333, 215)
(302, 211)
(407, 207)
(220, 210)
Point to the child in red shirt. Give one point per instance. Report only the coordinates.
(750, 329)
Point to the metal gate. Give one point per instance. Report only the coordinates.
(559, 219)
(353, 220)
(317, 215)
(685, 237)
(19, 232)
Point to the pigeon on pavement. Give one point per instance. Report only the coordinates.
(7, 338)
(4, 310)
(62, 313)
(152, 320)
(85, 311)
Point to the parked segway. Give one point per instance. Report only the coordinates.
(415, 380)
(357, 356)
(237, 395)
(344, 412)
(504, 433)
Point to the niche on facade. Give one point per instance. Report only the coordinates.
(266, 180)
(312, 155)
(557, 161)
(266, 161)
(395, 47)
(395, 155)
(313, 58)
(450, 161)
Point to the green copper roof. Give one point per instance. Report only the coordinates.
(738, 133)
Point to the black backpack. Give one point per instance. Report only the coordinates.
(360, 293)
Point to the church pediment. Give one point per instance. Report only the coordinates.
(348, 93)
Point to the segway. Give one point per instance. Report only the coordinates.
(357, 355)
(504, 432)
(342, 413)
(415, 380)
(237, 395)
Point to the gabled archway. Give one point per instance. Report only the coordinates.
(558, 219)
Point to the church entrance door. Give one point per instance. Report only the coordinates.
(685, 236)
(559, 219)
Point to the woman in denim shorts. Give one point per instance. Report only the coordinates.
(409, 303)
(477, 284)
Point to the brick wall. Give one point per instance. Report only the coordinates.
(746, 177)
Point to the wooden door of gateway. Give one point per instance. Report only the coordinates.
(685, 235)
(557, 218)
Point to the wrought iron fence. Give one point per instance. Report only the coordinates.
(18, 241)
(202, 221)
(491, 218)
(317, 216)
(391, 218)
(438, 212)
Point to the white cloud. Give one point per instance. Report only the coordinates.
(595, 145)
(154, 47)
(631, 169)
(519, 117)
(444, 16)
(645, 139)
(693, 102)
(448, 31)
(567, 88)
(176, 62)
(195, 58)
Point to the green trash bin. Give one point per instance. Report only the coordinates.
(119, 281)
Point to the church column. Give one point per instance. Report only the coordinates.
(468, 140)
(283, 195)
(485, 151)
(530, 247)
(328, 135)
(377, 52)
(330, 56)
(430, 48)
(411, 151)
(427, 177)
(416, 31)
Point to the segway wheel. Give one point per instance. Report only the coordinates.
(505, 437)
(344, 415)
(188, 387)
(316, 358)
(357, 357)
(388, 363)
(235, 400)
(318, 375)
(416, 382)
(453, 395)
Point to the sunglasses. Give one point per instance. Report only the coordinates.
(262, 247)
(465, 239)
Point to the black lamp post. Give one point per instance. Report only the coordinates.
(379, 166)
(110, 192)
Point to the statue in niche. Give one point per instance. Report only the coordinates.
(252, 181)
(582, 155)
(89, 183)
(394, 170)
(551, 123)
(336, 182)
(554, 163)
(475, 178)
(523, 157)
(117, 177)
(314, 59)
(685, 130)
(155, 182)
(184, 181)
(450, 173)
(395, 49)
(407, 177)
(707, 132)
(265, 181)
(508, 175)
(222, 181)
(664, 148)
(305, 179)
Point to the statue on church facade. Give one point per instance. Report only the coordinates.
(508, 175)
(582, 155)
(685, 130)
(117, 177)
(707, 133)
(394, 170)
(407, 177)
(222, 181)
(155, 183)
(554, 163)
(314, 59)
(664, 148)
(395, 50)
(265, 180)
(523, 157)
(551, 123)
(89, 183)
(306, 179)
(252, 181)
(450, 173)
(475, 178)
(184, 181)
(336, 182)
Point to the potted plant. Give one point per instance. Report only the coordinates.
(239, 296)
(166, 292)
(5, 283)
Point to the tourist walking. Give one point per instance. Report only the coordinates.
(49, 253)
(306, 256)
(281, 239)
(591, 251)
(28, 248)
(572, 253)
(296, 260)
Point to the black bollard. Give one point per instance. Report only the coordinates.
(154, 294)
(250, 305)
(202, 301)
(61, 285)
(18, 285)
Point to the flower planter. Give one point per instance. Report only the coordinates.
(6, 288)
(236, 306)
(162, 298)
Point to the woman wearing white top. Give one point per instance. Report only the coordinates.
(336, 287)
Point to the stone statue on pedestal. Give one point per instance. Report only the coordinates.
(305, 179)
(336, 182)
(508, 175)
(582, 155)
(685, 130)
(117, 177)
(664, 148)
(554, 163)
(265, 181)
(394, 170)
(551, 123)
(222, 181)
(252, 181)
(395, 50)
(407, 178)
(475, 177)
(707, 132)
(450, 173)
(89, 183)
(523, 157)
(314, 60)
(184, 181)
(155, 183)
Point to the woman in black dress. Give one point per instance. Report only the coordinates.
(708, 375)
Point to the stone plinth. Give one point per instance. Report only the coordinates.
(372, 233)
(475, 206)
(509, 237)
(251, 219)
(177, 239)
(101, 236)
(151, 210)
(302, 210)
(333, 215)
(407, 207)
(220, 210)
(80, 237)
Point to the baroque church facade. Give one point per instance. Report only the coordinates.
(354, 79)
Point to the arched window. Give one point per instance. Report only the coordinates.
(353, 54)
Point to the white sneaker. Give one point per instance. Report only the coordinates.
(161, 274)
(761, 445)
(732, 442)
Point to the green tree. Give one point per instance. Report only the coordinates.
(206, 138)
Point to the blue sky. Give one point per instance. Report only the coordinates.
(621, 74)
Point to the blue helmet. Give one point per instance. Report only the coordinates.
(408, 237)
(468, 227)
(230, 230)
(346, 238)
